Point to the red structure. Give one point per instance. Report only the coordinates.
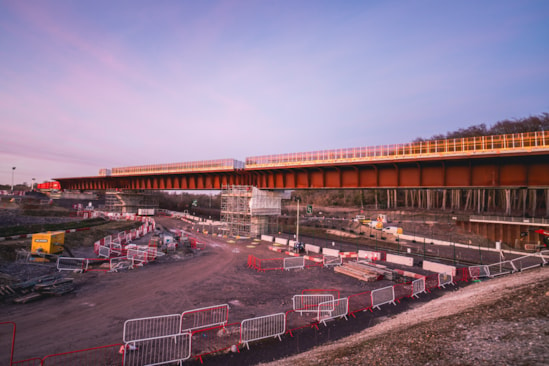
(515, 160)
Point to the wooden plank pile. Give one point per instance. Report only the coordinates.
(33, 289)
(363, 271)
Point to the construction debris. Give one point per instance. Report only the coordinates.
(48, 285)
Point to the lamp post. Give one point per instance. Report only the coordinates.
(12, 174)
(297, 228)
(32, 187)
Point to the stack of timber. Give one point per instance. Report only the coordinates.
(358, 271)
(39, 287)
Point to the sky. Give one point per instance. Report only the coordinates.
(86, 85)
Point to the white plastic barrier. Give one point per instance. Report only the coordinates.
(329, 261)
(267, 238)
(366, 254)
(262, 327)
(204, 317)
(309, 303)
(418, 287)
(312, 248)
(151, 327)
(294, 263)
(438, 267)
(381, 296)
(501, 268)
(159, 350)
(330, 252)
(333, 309)
(399, 259)
(445, 279)
(476, 272)
(72, 264)
(291, 243)
(282, 241)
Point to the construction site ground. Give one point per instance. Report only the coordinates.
(94, 314)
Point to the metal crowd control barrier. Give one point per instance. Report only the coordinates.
(263, 327)
(476, 272)
(151, 327)
(501, 268)
(332, 261)
(106, 355)
(360, 302)
(104, 251)
(445, 279)
(381, 296)
(137, 256)
(72, 264)
(333, 309)
(418, 287)
(309, 303)
(215, 339)
(217, 315)
(527, 262)
(159, 350)
(294, 263)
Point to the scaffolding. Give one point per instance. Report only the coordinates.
(248, 211)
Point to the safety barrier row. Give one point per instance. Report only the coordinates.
(155, 340)
(510, 266)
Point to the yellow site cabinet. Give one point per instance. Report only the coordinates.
(49, 243)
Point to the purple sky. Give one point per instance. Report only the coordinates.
(86, 85)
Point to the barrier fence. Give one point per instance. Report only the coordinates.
(215, 339)
(445, 279)
(199, 332)
(403, 290)
(337, 308)
(159, 350)
(72, 264)
(309, 303)
(263, 327)
(294, 263)
(360, 302)
(418, 287)
(382, 296)
(211, 316)
(151, 327)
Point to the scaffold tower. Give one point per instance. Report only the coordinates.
(248, 211)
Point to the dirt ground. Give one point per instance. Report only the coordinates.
(95, 313)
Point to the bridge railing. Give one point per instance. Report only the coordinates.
(498, 144)
(204, 165)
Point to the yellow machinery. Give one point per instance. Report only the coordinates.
(51, 242)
